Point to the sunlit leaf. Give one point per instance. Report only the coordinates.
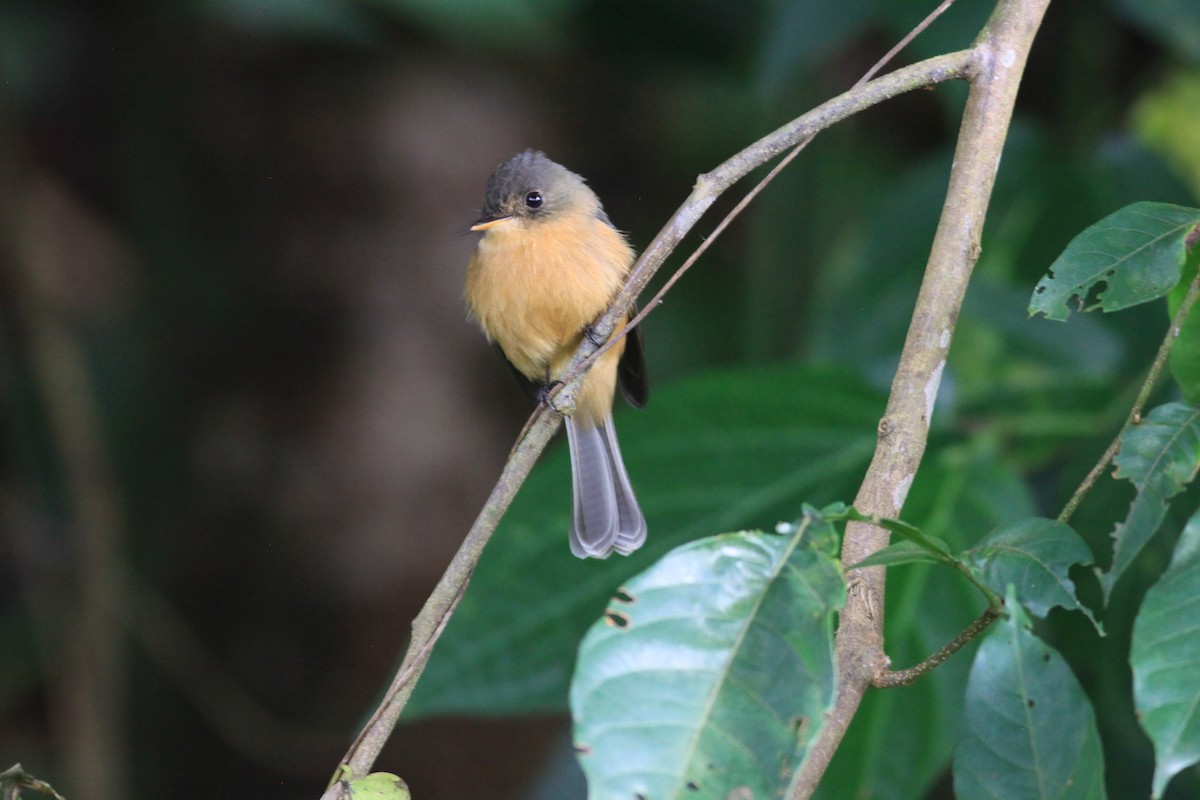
(1132, 256)
(1160, 457)
(1028, 729)
(710, 672)
(1185, 350)
(1165, 658)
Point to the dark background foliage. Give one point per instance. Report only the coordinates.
(245, 221)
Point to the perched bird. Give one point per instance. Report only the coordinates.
(548, 265)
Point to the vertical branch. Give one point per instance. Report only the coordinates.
(999, 57)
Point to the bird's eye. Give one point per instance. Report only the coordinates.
(534, 199)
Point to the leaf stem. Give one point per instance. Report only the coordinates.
(886, 679)
(1139, 403)
(995, 601)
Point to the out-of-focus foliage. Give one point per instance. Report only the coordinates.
(254, 209)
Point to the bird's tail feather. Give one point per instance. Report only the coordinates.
(605, 515)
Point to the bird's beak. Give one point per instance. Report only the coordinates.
(490, 222)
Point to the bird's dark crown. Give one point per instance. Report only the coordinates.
(530, 185)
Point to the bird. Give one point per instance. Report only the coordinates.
(548, 265)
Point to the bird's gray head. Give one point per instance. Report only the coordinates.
(531, 187)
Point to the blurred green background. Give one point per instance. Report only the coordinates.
(247, 421)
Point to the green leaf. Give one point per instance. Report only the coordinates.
(1165, 657)
(1160, 457)
(379, 786)
(1028, 728)
(722, 451)
(898, 553)
(1035, 556)
(710, 672)
(1132, 256)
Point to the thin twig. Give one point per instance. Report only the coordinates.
(903, 43)
(746, 200)
(1135, 412)
(711, 185)
(887, 679)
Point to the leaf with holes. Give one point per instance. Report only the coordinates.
(1166, 660)
(1160, 457)
(1132, 256)
(1028, 728)
(710, 672)
(1035, 555)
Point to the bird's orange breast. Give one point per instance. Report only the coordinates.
(534, 285)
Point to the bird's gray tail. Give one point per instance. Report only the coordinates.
(605, 516)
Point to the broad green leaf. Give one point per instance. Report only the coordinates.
(710, 672)
(1028, 729)
(728, 450)
(902, 739)
(1035, 556)
(1160, 457)
(1166, 661)
(1132, 256)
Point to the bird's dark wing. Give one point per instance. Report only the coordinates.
(532, 389)
(631, 370)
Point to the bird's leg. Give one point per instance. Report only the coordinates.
(545, 390)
